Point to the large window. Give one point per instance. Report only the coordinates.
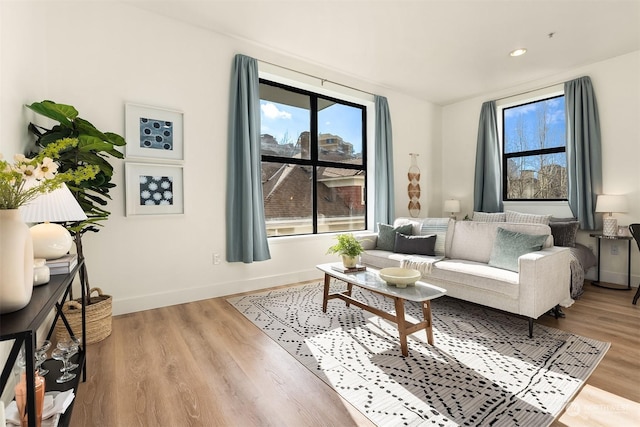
(534, 151)
(313, 161)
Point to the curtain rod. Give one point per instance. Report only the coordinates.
(529, 91)
(322, 80)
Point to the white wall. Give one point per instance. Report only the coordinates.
(617, 85)
(20, 81)
(114, 54)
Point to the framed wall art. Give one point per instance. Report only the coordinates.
(154, 133)
(154, 189)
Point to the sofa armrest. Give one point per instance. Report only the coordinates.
(545, 280)
(368, 240)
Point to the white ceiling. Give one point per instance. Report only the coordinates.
(441, 51)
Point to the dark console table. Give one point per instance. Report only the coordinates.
(22, 325)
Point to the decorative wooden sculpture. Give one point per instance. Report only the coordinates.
(414, 186)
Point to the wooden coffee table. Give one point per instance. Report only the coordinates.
(370, 280)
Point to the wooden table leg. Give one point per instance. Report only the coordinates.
(402, 325)
(349, 289)
(426, 312)
(325, 296)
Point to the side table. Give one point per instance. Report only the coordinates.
(600, 237)
(21, 326)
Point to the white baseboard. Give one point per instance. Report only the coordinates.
(181, 296)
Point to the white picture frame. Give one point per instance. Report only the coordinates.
(154, 189)
(154, 133)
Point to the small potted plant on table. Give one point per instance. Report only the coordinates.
(349, 248)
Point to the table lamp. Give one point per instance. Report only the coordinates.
(610, 203)
(51, 240)
(452, 206)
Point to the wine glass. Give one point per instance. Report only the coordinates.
(64, 355)
(72, 344)
(41, 357)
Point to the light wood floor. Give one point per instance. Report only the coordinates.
(204, 364)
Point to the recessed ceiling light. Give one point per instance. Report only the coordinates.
(518, 52)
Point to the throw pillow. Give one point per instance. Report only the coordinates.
(415, 245)
(387, 235)
(439, 227)
(555, 219)
(511, 245)
(489, 217)
(564, 233)
(527, 218)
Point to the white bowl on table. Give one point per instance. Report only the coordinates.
(400, 277)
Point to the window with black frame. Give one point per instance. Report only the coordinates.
(313, 150)
(534, 160)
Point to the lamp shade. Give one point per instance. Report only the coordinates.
(452, 206)
(611, 203)
(58, 205)
(52, 240)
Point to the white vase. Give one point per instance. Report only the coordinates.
(16, 262)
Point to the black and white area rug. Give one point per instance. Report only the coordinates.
(483, 370)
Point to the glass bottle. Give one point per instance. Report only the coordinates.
(21, 398)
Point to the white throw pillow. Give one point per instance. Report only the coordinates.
(527, 218)
(489, 217)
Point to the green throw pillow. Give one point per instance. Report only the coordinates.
(510, 245)
(387, 235)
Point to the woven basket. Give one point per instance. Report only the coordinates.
(98, 317)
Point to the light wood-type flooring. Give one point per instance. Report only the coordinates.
(204, 364)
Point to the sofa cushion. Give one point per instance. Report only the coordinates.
(387, 235)
(489, 217)
(527, 218)
(477, 275)
(437, 226)
(418, 245)
(564, 233)
(473, 240)
(510, 245)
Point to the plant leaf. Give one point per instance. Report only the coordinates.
(59, 112)
(115, 139)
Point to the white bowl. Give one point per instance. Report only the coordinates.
(400, 277)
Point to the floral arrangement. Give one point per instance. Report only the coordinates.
(26, 179)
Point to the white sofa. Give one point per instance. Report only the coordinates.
(542, 282)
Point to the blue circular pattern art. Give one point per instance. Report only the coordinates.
(156, 134)
(156, 190)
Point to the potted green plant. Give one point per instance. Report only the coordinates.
(349, 248)
(94, 148)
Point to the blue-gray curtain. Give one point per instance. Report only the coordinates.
(246, 228)
(584, 150)
(384, 208)
(487, 193)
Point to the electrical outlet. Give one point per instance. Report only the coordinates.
(216, 259)
(614, 249)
